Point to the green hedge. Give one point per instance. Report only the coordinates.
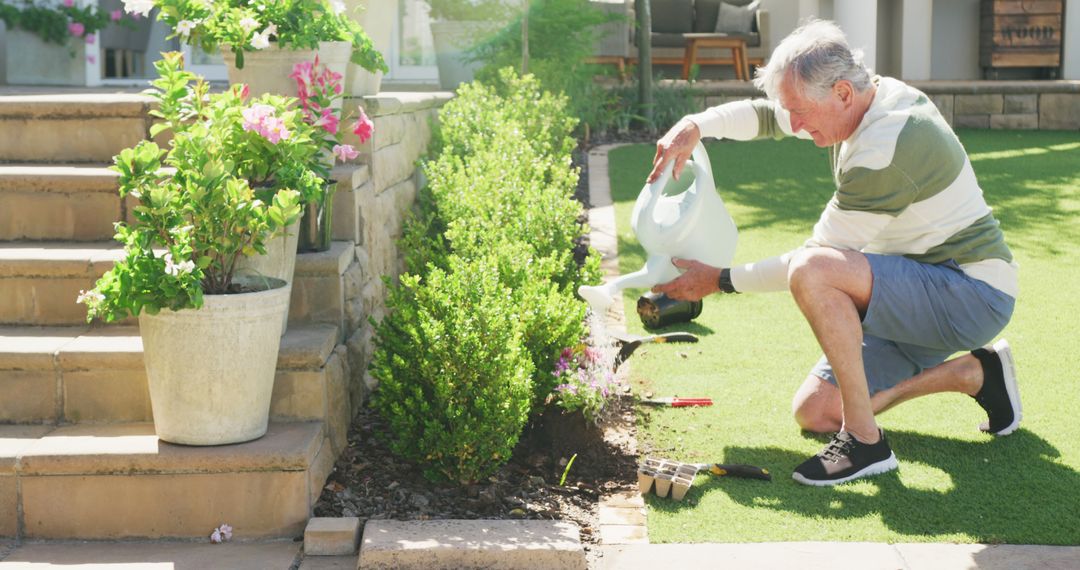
(488, 300)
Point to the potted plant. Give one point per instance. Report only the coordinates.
(319, 90)
(460, 25)
(262, 41)
(210, 335)
(47, 42)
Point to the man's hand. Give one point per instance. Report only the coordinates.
(677, 145)
(697, 281)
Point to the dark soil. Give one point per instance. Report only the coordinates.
(369, 482)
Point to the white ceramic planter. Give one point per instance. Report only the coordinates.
(33, 61)
(267, 70)
(211, 370)
(279, 262)
(452, 40)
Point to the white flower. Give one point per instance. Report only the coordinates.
(337, 6)
(175, 269)
(215, 536)
(184, 27)
(140, 7)
(271, 29)
(249, 24)
(260, 40)
(90, 297)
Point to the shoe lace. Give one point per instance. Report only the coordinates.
(838, 448)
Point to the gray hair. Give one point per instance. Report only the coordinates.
(818, 55)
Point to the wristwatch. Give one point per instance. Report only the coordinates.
(725, 281)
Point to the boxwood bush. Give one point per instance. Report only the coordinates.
(454, 379)
(488, 301)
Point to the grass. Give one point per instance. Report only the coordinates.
(954, 483)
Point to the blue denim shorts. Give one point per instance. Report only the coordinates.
(919, 315)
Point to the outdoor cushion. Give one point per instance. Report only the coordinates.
(705, 14)
(672, 16)
(736, 19)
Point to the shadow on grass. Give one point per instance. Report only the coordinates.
(1005, 490)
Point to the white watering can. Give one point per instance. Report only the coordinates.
(692, 224)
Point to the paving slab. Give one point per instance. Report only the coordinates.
(454, 544)
(152, 556)
(761, 556)
(329, 563)
(990, 556)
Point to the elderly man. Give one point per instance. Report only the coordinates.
(906, 265)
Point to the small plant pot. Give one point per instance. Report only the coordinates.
(663, 484)
(645, 479)
(679, 487)
(315, 232)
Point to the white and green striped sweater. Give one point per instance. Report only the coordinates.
(904, 185)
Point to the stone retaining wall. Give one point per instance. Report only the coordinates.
(370, 214)
(1043, 105)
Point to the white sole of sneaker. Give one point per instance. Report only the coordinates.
(1008, 370)
(883, 466)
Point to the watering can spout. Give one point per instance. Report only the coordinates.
(691, 224)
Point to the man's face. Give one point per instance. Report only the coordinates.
(827, 120)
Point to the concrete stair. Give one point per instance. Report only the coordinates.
(73, 127)
(78, 454)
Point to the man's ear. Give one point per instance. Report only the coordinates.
(845, 91)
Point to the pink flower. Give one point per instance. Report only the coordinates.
(301, 72)
(91, 59)
(363, 127)
(254, 117)
(69, 3)
(76, 29)
(345, 152)
(273, 129)
(328, 121)
(116, 15)
(90, 39)
(244, 91)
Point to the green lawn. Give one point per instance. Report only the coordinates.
(954, 483)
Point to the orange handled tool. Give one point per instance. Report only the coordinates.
(677, 402)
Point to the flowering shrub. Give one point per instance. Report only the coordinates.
(246, 25)
(60, 24)
(192, 224)
(585, 375)
(319, 89)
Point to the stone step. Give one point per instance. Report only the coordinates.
(81, 202)
(83, 375)
(119, 481)
(72, 127)
(505, 544)
(52, 202)
(40, 281)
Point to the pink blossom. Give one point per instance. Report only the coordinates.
(116, 15)
(345, 152)
(273, 129)
(328, 120)
(90, 39)
(76, 29)
(363, 127)
(91, 59)
(69, 3)
(244, 91)
(255, 115)
(301, 72)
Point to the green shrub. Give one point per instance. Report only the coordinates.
(505, 100)
(454, 382)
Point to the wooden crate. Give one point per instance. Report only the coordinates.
(1020, 33)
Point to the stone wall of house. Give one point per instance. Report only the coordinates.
(369, 209)
(1032, 105)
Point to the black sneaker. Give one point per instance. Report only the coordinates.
(845, 459)
(999, 395)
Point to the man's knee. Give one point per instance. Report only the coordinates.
(810, 266)
(816, 406)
